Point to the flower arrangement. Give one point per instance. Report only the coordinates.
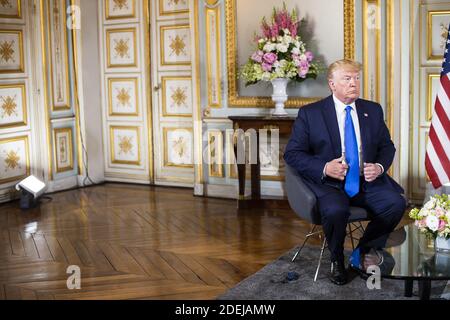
(280, 52)
(434, 218)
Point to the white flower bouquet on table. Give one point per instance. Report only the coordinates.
(280, 52)
(434, 218)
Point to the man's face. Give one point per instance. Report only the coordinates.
(345, 85)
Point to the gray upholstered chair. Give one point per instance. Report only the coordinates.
(303, 201)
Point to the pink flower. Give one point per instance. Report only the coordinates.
(309, 56)
(303, 71)
(266, 66)
(265, 28)
(442, 225)
(293, 29)
(420, 223)
(257, 56)
(270, 57)
(440, 212)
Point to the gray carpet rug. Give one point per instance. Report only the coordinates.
(270, 283)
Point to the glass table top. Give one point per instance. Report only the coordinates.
(409, 254)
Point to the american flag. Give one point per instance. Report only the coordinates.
(437, 159)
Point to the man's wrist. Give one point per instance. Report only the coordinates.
(324, 173)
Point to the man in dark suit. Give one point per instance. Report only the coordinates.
(342, 148)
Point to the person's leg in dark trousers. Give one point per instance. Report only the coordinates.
(335, 211)
(387, 208)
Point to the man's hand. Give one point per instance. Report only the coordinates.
(371, 171)
(336, 169)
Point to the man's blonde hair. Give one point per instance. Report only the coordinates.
(346, 64)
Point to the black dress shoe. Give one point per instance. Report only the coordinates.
(338, 274)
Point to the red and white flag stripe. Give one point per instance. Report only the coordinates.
(437, 159)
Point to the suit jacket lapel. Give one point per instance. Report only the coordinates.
(329, 114)
(363, 118)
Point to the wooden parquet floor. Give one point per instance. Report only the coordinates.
(138, 242)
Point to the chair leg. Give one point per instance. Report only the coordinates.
(351, 235)
(320, 258)
(304, 242)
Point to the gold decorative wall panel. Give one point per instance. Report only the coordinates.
(173, 7)
(213, 57)
(11, 51)
(215, 153)
(178, 147)
(58, 55)
(11, 9)
(123, 97)
(120, 9)
(372, 49)
(125, 145)
(63, 149)
(13, 105)
(175, 45)
(176, 96)
(14, 159)
(121, 48)
(436, 33)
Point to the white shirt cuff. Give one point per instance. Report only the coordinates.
(381, 166)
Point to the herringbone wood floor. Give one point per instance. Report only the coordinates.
(138, 242)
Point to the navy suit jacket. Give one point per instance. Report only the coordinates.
(315, 140)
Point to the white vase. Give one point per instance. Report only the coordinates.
(442, 244)
(279, 95)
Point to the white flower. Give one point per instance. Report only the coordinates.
(268, 47)
(279, 39)
(282, 47)
(432, 223)
(297, 43)
(296, 51)
(448, 216)
(430, 204)
(265, 76)
(287, 39)
(262, 40)
(424, 213)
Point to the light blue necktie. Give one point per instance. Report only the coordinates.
(351, 156)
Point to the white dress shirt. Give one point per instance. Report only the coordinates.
(341, 114)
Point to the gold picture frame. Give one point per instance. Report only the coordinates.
(57, 148)
(430, 14)
(234, 100)
(118, 17)
(24, 105)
